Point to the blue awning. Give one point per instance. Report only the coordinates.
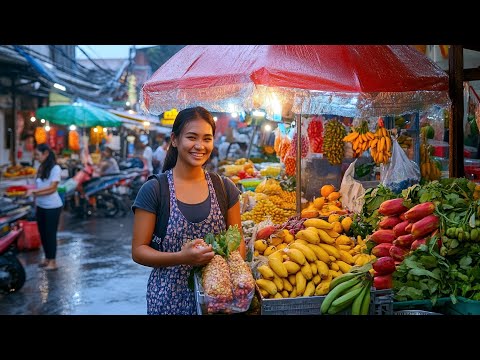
(37, 65)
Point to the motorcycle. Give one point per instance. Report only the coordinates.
(86, 195)
(12, 272)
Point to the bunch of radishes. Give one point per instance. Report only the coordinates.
(400, 231)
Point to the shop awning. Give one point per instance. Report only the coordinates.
(132, 121)
(136, 117)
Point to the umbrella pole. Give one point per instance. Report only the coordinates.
(298, 187)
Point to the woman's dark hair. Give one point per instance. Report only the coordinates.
(48, 164)
(183, 118)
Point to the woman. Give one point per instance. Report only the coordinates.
(194, 212)
(48, 203)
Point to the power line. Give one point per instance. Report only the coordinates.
(94, 63)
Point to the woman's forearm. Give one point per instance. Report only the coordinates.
(46, 191)
(147, 256)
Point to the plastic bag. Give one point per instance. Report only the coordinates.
(401, 172)
(352, 191)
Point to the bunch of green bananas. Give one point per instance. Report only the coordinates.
(351, 289)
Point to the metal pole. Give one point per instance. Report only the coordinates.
(13, 143)
(254, 131)
(298, 187)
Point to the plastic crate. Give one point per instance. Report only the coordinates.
(381, 303)
(415, 312)
(425, 305)
(464, 306)
(30, 237)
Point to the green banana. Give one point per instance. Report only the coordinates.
(336, 309)
(342, 278)
(364, 310)
(348, 297)
(333, 294)
(357, 303)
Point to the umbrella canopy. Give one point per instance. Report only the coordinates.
(81, 115)
(348, 80)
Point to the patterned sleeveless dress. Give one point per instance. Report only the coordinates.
(167, 290)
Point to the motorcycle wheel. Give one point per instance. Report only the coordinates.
(108, 205)
(12, 274)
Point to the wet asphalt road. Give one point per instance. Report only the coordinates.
(96, 274)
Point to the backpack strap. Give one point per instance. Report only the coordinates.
(222, 196)
(163, 209)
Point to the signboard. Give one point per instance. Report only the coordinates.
(169, 117)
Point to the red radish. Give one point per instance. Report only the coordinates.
(408, 228)
(397, 253)
(381, 250)
(392, 207)
(425, 226)
(383, 236)
(420, 211)
(384, 265)
(402, 217)
(416, 244)
(389, 222)
(399, 229)
(404, 241)
(383, 282)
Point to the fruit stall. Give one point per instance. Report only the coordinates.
(348, 103)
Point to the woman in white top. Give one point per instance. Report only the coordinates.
(48, 203)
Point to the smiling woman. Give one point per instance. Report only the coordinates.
(194, 212)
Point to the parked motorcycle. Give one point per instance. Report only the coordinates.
(12, 272)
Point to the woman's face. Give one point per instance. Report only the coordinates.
(41, 156)
(195, 143)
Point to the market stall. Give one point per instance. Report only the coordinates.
(344, 99)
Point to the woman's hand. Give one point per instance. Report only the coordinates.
(197, 252)
(30, 192)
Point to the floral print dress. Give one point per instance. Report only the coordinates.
(167, 290)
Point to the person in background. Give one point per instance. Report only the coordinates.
(159, 154)
(108, 165)
(48, 203)
(194, 212)
(147, 154)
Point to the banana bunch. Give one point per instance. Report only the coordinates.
(349, 290)
(360, 138)
(333, 146)
(381, 146)
(428, 167)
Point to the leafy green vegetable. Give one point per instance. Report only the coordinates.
(225, 242)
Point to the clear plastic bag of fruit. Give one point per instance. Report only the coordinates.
(401, 172)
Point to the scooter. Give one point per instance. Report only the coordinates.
(12, 272)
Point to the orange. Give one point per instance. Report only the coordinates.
(333, 196)
(327, 190)
(318, 203)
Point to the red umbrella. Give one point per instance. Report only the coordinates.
(348, 80)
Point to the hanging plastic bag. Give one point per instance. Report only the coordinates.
(352, 191)
(401, 172)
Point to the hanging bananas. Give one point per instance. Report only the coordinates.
(360, 138)
(429, 169)
(333, 146)
(379, 143)
(381, 146)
